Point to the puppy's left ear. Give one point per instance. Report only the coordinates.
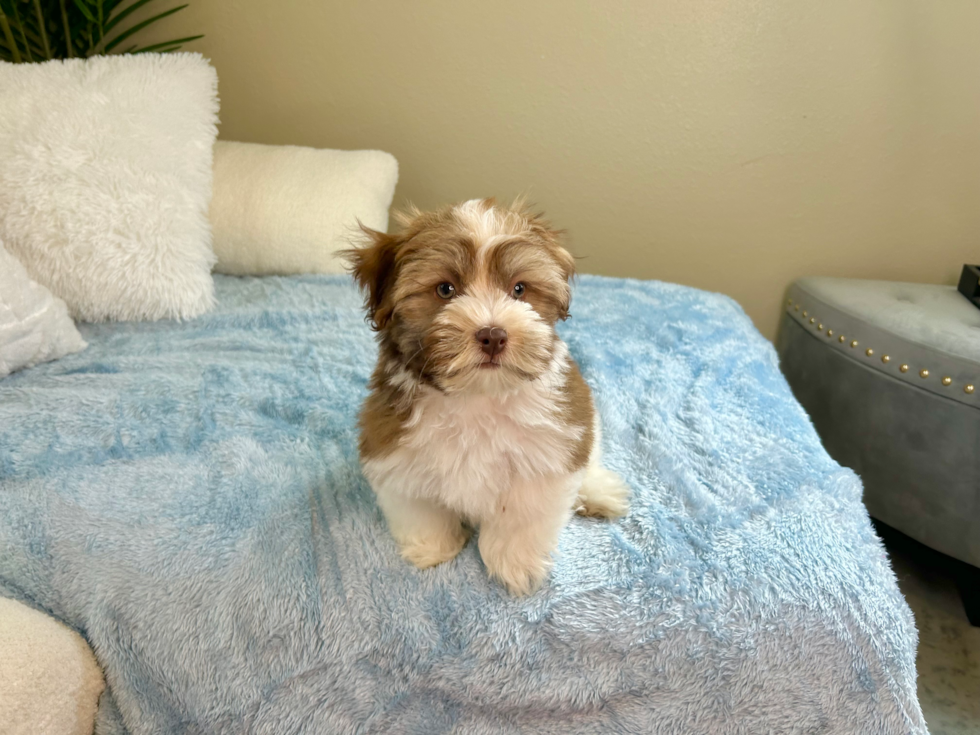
(567, 264)
(373, 267)
(564, 259)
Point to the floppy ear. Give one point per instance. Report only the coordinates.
(555, 241)
(373, 267)
(566, 262)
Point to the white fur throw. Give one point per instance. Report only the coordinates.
(285, 209)
(49, 680)
(105, 181)
(34, 324)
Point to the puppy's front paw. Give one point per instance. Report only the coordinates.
(521, 571)
(434, 549)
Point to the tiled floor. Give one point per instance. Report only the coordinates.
(949, 647)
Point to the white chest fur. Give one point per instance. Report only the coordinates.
(465, 451)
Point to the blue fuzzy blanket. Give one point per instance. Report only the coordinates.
(188, 497)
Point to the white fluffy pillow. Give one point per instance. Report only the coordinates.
(105, 181)
(285, 209)
(34, 324)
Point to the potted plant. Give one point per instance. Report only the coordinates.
(38, 30)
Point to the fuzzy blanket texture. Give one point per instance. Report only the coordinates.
(188, 497)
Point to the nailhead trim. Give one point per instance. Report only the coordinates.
(924, 373)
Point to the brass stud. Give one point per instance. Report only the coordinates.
(812, 320)
(830, 332)
(869, 352)
(968, 388)
(841, 339)
(903, 368)
(789, 302)
(947, 380)
(805, 315)
(923, 373)
(820, 327)
(854, 343)
(796, 308)
(886, 359)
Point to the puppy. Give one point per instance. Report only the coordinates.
(477, 414)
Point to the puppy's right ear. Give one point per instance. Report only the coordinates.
(373, 267)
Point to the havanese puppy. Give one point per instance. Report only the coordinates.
(477, 415)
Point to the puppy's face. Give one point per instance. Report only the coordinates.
(466, 298)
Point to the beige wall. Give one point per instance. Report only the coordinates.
(731, 145)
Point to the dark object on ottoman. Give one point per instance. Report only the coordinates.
(970, 284)
(889, 373)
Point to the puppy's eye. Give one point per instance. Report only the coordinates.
(446, 290)
(519, 290)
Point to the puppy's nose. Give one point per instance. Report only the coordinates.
(492, 340)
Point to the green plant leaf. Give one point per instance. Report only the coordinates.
(33, 43)
(35, 39)
(40, 27)
(23, 36)
(140, 26)
(85, 11)
(123, 13)
(110, 5)
(159, 46)
(9, 37)
(166, 50)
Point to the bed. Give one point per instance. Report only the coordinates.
(187, 497)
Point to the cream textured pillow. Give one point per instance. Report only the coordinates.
(49, 680)
(105, 181)
(34, 324)
(285, 209)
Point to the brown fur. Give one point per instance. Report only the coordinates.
(399, 275)
(432, 248)
(534, 264)
(382, 417)
(577, 410)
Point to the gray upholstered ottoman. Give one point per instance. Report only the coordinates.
(890, 375)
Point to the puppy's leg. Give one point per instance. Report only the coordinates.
(427, 533)
(517, 541)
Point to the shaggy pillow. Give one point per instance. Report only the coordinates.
(106, 178)
(280, 210)
(34, 324)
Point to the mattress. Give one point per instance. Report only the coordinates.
(187, 496)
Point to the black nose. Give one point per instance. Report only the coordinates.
(492, 340)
